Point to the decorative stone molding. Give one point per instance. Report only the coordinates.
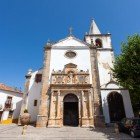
(70, 75)
(74, 81)
(84, 106)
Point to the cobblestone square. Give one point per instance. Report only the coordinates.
(13, 132)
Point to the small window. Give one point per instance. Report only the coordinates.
(35, 102)
(91, 41)
(38, 78)
(98, 43)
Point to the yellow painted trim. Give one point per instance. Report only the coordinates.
(8, 121)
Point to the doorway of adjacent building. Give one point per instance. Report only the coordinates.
(70, 113)
(116, 107)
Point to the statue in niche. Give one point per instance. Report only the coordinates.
(59, 79)
(86, 79)
(54, 79)
(70, 78)
(81, 79)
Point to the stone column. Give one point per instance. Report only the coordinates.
(58, 121)
(61, 110)
(85, 119)
(98, 115)
(83, 105)
(42, 118)
(80, 116)
(25, 95)
(51, 107)
(58, 105)
(91, 121)
(90, 106)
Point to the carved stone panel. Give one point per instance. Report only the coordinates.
(70, 75)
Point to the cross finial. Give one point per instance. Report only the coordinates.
(111, 75)
(70, 31)
(92, 18)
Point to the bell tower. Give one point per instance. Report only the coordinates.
(101, 56)
(97, 41)
(94, 36)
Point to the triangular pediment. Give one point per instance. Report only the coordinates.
(70, 41)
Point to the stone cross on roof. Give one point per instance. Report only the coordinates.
(70, 31)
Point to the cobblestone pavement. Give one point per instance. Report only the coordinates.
(13, 132)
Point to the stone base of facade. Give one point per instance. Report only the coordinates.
(58, 122)
(99, 121)
(87, 122)
(41, 121)
(54, 122)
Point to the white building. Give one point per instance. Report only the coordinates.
(75, 85)
(10, 104)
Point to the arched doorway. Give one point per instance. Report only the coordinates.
(116, 106)
(70, 113)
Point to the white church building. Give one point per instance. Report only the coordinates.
(75, 86)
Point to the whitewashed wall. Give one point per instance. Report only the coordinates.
(5, 115)
(105, 63)
(34, 94)
(82, 60)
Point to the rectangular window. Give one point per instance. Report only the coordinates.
(35, 102)
(38, 78)
(8, 103)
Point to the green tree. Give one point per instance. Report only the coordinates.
(127, 68)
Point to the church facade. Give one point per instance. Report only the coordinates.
(75, 86)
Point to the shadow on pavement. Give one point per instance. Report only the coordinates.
(109, 132)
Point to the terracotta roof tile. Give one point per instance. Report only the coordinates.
(7, 88)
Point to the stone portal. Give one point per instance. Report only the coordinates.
(70, 113)
(71, 99)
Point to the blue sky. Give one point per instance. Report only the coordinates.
(26, 25)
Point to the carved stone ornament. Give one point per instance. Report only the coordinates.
(70, 65)
(70, 75)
